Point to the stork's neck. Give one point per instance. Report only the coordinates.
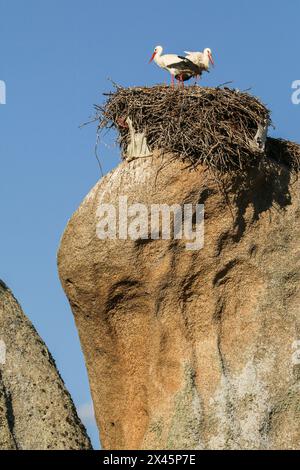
(206, 59)
(158, 57)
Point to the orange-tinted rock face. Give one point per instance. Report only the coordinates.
(191, 349)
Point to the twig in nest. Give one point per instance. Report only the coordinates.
(223, 84)
(96, 154)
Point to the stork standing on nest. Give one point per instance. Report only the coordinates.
(180, 67)
(202, 60)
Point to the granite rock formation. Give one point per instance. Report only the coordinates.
(191, 349)
(36, 410)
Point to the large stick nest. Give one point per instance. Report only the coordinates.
(212, 126)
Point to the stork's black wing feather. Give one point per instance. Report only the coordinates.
(190, 66)
(185, 65)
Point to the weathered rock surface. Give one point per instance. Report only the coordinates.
(36, 411)
(191, 349)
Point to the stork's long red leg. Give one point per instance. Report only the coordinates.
(172, 79)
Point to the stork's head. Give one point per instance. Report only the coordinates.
(208, 54)
(158, 50)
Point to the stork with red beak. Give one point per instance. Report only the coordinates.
(180, 67)
(201, 59)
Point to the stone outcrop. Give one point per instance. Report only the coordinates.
(191, 349)
(36, 410)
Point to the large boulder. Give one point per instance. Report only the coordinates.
(36, 410)
(191, 349)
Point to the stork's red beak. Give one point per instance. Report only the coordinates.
(152, 57)
(211, 59)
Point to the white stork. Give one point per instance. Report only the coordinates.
(180, 67)
(202, 60)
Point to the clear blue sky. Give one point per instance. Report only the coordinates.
(55, 57)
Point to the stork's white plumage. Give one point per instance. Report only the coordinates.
(201, 59)
(179, 67)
